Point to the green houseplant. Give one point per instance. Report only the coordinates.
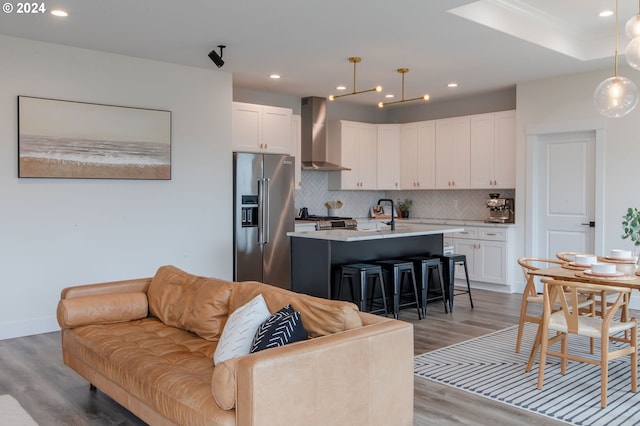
(405, 207)
(631, 226)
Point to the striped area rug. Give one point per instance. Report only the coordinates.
(488, 366)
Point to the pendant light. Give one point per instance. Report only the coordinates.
(632, 30)
(354, 60)
(616, 96)
(403, 71)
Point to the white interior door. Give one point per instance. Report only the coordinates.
(564, 189)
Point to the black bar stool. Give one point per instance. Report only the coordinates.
(426, 266)
(450, 261)
(363, 272)
(399, 270)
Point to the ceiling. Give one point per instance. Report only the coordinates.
(482, 45)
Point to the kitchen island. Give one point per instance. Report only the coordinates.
(315, 255)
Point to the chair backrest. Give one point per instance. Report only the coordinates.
(569, 256)
(529, 264)
(564, 295)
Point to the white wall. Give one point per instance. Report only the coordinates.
(56, 233)
(570, 98)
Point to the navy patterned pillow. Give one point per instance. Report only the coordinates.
(285, 326)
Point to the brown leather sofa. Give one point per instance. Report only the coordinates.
(148, 343)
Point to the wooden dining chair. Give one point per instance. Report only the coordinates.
(569, 320)
(530, 295)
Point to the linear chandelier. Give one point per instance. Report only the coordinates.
(403, 71)
(354, 60)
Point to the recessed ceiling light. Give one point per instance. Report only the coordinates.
(275, 76)
(605, 13)
(60, 13)
(341, 88)
(390, 95)
(452, 85)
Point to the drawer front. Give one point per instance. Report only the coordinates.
(467, 234)
(492, 234)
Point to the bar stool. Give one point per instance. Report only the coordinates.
(399, 270)
(364, 272)
(426, 266)
(450, 261)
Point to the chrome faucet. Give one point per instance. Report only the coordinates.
(392, 223)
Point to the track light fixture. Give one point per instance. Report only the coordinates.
(354, 60)
(217, 58)
(403, 71)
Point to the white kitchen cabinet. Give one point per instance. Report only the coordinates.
(486, 250)
(388, 156)
(354, 145)
(418, 155)
(493, 150)
(296, 142)
(261, 128)
(453, 143)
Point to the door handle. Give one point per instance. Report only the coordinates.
(267, 225)
(591, 224)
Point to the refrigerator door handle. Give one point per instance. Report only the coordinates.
(267, 208)
(261, 211)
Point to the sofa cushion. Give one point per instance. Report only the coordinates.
(279, 329)
(320, 317)
(189, 302)
(240, 330)
(102, 309)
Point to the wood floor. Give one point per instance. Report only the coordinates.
(33, 372)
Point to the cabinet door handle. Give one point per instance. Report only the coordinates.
(492, 234)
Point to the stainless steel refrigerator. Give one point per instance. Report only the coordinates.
(264, 211)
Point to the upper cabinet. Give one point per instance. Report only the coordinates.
(353, 145)
(453, 143)
(418, 155)
(389, 150)
(493, 150)
(261, 128)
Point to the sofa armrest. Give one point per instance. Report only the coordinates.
(361, 376)
(102, 309)
(103, 303)
(126, 286)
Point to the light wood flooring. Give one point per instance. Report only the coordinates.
(33, 372)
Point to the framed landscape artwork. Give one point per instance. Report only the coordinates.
(67, 139)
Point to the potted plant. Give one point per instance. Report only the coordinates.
(405, 207)
(631, 226)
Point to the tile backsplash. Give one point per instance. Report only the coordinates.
(468, 204)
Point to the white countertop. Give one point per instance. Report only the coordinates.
(456, 222)
(402, 230)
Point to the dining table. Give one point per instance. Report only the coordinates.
(626, 276)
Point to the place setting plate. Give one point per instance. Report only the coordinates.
(575, 266)
(618, 275)
(624, 260)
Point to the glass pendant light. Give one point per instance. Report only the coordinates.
(632, 30)
(616, 96)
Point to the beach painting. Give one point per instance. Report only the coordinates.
(67, 139)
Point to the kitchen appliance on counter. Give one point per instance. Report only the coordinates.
(263, 212)
(501, 210)
(322, 225)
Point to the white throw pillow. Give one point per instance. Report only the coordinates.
(240, 329)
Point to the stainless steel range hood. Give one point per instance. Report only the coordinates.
(314, 135)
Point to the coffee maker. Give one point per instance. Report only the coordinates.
(501, 210)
